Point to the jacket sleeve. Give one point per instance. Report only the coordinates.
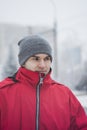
(2, 109)
(78, 117)
(0, 112)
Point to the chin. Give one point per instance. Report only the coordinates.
(44, 72)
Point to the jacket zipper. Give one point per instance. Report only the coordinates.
(38, 102)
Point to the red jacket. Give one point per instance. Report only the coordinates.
(24, 107)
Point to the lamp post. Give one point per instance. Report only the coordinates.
(55, 39)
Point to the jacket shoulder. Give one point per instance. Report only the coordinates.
(61, 86)
(58, 84)
(6, 82)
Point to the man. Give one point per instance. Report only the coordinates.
(31, 100)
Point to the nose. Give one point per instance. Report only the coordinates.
(42, 64)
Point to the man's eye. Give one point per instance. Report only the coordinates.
(47, 58)
(36, 58)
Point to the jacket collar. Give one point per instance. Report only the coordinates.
(28, 76)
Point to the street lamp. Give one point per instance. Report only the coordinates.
(55, 39)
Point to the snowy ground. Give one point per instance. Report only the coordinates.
(82, 97)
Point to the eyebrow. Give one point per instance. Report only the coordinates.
(35, 56)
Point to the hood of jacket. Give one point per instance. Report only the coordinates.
(27, 76)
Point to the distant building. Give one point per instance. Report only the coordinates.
(72, 56)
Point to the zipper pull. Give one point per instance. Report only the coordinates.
(41, 80)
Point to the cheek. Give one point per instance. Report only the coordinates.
(33, 66)
(49, 65)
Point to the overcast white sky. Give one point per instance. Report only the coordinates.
(70, 14)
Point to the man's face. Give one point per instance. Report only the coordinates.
(39, 62)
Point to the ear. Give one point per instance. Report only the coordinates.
(23, 65)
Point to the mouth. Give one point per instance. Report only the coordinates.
(43, 72)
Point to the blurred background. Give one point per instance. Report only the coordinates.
(63, 23)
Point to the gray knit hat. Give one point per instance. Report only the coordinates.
(32, 45)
